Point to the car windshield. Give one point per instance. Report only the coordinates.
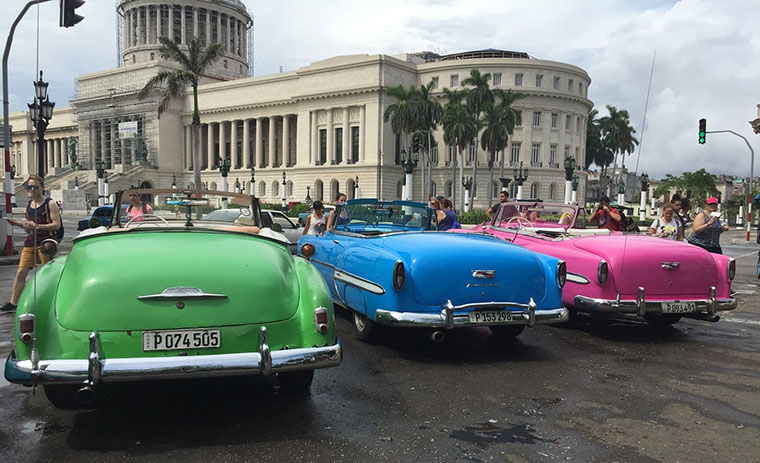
(540, 215)
(372, 217)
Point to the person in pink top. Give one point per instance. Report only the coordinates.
(137, 208)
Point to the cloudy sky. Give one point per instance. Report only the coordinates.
(707, 64)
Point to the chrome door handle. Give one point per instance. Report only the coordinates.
(336, 241)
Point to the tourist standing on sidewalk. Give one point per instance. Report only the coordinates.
(42, 220)
(707, 228)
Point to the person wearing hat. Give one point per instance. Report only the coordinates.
(707, 227)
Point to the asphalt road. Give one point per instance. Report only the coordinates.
(596, 390)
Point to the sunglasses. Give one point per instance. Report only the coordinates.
(32, 187)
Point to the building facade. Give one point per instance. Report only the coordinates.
(321, 125)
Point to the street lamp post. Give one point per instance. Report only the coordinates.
(643, 205)
(41, 111)
(356, 187)
(252, 184)
(237, 185)
(569, 168)
(307, 200)
(520, 175)
(621, 193)
(224, 169)
(284, 193)
(574, 197)
(106, 191)
(409, 162)
(76, 183)
(467, 186)
(174, 186)
(505, 184)
(100, 170)
(13, 189)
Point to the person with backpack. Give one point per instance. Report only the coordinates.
(667, 226)
(137, 208)
(42, 222)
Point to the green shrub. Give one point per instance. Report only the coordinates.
(271, 207)
(473, 217)
(299, 208)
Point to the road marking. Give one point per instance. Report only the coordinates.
(746, 291)
(754, 253)
(739, 320)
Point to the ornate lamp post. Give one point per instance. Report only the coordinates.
(307, 200)
(224, 169)
(174, 186)
(284, 189)
(569, 168)
(520, 176)
(100, 170)
(356, 187)
(621, 193)
(13, 189)
(106, 191)
(505, 184)
(41, 111)
(76, 183)
(253, 180)
(409, 162)
(574, 197)
(467, 186)
(643, 205)
(237, 185)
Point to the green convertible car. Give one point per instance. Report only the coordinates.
(159, 297)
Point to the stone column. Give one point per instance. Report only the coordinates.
(285, 140)
(196, 33)
(138, 10)
(243, 40)
(233, 144)
(272, 145)
(170, 29)
(218, 27)
(183, 22)
(127, 31)
(247, 143)
(188, 147)
(49, 153)
(346, 152)
(229, 34)
(57, 161)
(258, 152)
(222, 141)
(362, 118)
(208, 27)
(210, 145)
(314, 153)
(330, 138)
(64, 152)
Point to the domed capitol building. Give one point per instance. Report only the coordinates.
(321, 125)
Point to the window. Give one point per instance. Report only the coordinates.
(339, 145)
(473, 152)
(434, 80)
(152, 56)
(495, 189)
(454, 80)
(519, 121)
(354, 144)
(555, 116)
(283, 220)
(552, 190)
(535, 154)
(177, 26)
(497, 78)
(515, 154)
(570, 85)
(276, 191)
(433, 189)
(567, 122)
(567, 151)
(552, 155)
(534, 190)
(322, 147)
(580, 88)
(518, 79)
(536, 119)
(449, 189)
(434, 154)
(556, 82)
(539, 79)
(452, 154)
(576, 154)
(226, 64)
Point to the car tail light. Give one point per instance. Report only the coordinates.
(561, 273)
(731, 269)
(321, 320)
(307, 250)
(399, 275)
(602, 272)
(26, 327)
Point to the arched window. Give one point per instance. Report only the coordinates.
(433, 190)
(399, 189)
(534, 187)
(552, 190)
(212, 186)
(449, 191)
(290, 188)
(276, 189)
(350, 188)
(334, 185)
(318, 191)
(262, 189)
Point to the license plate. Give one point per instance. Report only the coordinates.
(177, 340)
(490, 316)
(679, 307)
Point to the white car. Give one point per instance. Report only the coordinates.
(291, 230)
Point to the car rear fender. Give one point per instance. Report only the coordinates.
(313, 293)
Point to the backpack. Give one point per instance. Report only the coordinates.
(57, 234)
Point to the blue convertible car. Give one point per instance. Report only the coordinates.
(388, 264)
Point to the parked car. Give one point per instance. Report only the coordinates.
(102, 213)
(157, 298)
(304, 215)
(610, 272)
(388, 264)
(268, 217)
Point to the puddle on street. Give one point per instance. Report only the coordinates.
(489, 433)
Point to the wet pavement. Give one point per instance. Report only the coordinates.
(599, 389)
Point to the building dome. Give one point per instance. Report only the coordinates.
(142, 22)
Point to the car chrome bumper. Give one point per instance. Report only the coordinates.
(96, 369)
(641, 306)
(452, 316)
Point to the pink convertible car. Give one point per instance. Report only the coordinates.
(611, 272)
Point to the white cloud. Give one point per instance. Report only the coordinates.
(708, 55)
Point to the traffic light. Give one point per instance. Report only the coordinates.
(68, 15)
(415, 144)
(702, 131)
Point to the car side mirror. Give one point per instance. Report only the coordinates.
(276, 227)
(94, 222)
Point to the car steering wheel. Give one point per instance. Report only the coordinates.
(522, 223)
(143, 222)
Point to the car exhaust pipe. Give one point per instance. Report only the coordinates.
(703, 316)
(85, 395)
(438, 336)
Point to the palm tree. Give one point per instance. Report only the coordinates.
(403, 113)
(193, 65)
(495, 136)
(459, 129)
(512, 117)
(428, 115)
(618, 133)
(477, 97)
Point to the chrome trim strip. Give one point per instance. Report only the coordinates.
(577, 278)
(448, 319)
(94, 365)
(155, 368)
(181, 292)
(640, 302)
(590, 304)
(357, 281)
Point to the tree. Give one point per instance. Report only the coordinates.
(459, 129)
(477, 97)
(427, 117)
(512, 117)
(701, 184)
(403, 113)
(617, 133)
(193, 65)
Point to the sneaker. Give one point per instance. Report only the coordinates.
(8, 308)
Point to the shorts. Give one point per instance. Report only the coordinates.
(27, 257)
